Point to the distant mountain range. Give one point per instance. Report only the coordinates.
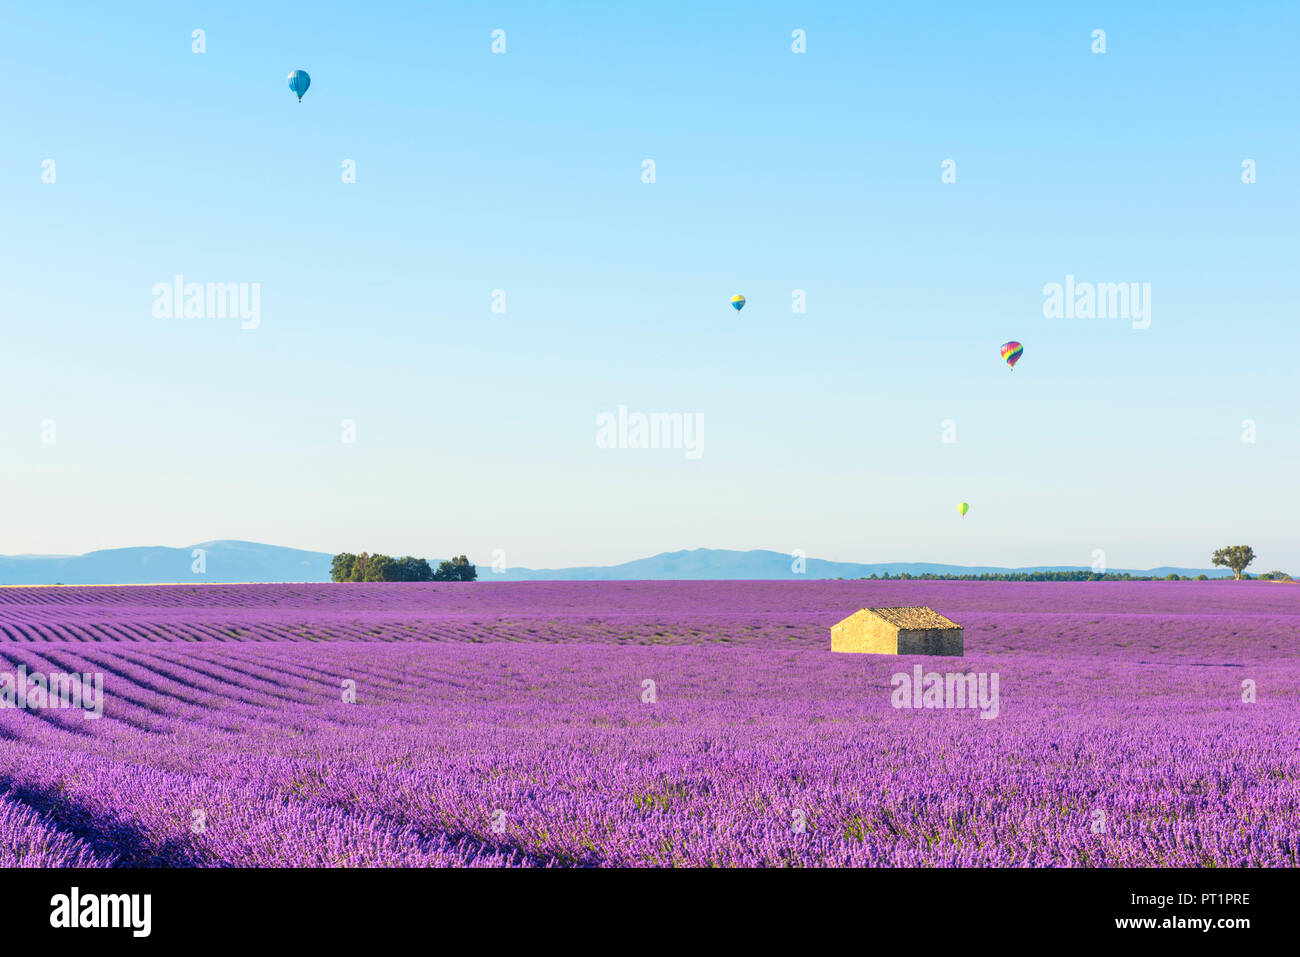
(231, 561)
(730, 565)
(223, 561)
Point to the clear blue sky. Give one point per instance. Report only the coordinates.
(775, 172)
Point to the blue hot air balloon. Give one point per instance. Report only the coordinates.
(298, 82)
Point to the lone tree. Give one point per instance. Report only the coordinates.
(1236, 557)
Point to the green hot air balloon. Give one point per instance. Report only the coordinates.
(963, 508)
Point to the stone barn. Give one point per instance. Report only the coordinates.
(897, 631)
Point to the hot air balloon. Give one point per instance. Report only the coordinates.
(1011, 352)
(737, 302)
(962, 508)
(298, 82)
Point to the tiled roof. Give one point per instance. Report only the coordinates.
(909, 618)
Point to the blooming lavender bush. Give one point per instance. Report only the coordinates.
(650, 723)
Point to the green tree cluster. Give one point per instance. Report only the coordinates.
(457, 569)
(347, 567)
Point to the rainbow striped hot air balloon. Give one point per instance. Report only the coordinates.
(737, 302)
(298, 82)
(1011, 352)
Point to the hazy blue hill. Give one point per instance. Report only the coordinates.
(227, 561)
(230, 561)
(727, 564)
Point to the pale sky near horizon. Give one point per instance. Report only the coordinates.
(774, 172)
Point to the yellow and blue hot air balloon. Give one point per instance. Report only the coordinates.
(298, 82)
(737, 302)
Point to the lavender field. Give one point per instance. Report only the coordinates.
(504, 724)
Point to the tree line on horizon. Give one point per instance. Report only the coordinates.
(1233, 557)
(348, 567)
(365, 567)
(1076, 575)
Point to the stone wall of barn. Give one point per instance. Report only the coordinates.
(930, 641)
(865, 632)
